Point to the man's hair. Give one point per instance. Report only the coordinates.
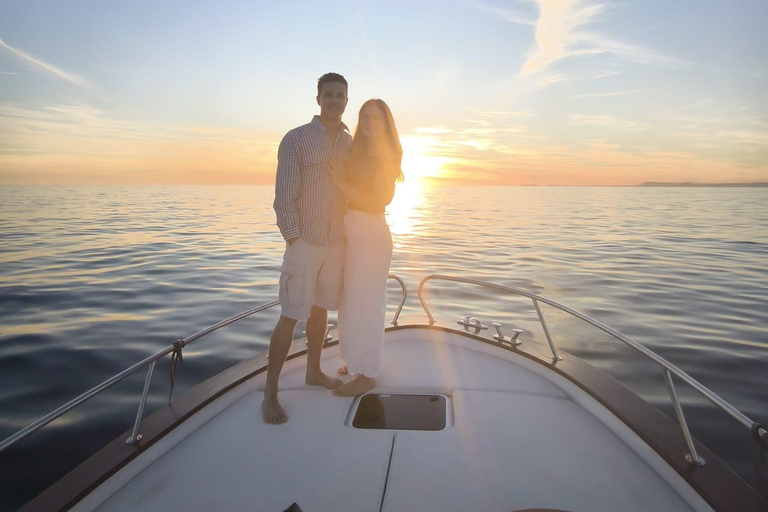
(330, 77)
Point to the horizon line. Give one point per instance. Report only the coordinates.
(435, 183)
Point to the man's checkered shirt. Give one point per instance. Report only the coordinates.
(307, 204)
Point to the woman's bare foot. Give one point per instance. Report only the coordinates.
(357, 386)
(272, 412)
(344, 370)
(318, 378)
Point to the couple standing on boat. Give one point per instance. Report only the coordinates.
(330, 195)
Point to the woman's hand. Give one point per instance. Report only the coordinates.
(335, 169)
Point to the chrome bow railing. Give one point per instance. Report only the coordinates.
(150, 362)
(668, 368)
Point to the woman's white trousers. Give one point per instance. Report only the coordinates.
(363, 304)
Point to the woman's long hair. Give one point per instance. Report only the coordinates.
(359, 148)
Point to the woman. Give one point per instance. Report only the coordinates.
(367, 180)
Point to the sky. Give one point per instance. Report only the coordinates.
(486, 92)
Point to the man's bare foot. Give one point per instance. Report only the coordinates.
(272, 412)
(343, 370)
(318, 378)
(357, 386)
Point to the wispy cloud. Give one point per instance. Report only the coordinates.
(561, 32)
(599, 44)
(41, 65)
(607, 94)
(587, 162)
(606, 121)
(698, 105)
(8, 73)
(759, 138)
(87, 144)
(434, 130)
(759, 121)
(504, 115)
(547, 79)
(729, 128)
(507, 14)
(556, 31)
(559, 78)
(702, 122)
(488, 139)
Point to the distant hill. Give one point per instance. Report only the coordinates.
(694, 184)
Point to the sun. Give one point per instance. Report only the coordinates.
(420, 166)
(420, 158)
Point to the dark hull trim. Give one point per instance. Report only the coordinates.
(720, 487)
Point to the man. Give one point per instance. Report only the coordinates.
(310, 215)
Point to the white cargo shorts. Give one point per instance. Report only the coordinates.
(311, 274)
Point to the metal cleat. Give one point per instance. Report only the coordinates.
(472, 322)
(499, 336)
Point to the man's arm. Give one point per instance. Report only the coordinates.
(287, 185)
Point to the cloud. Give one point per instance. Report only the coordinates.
(81, 144)
(560, 33)
(434, 130)
(507, 14)
(606, 122)
(8, 73)
(589, 162)
(759, 121)
(606, 94)
(41, 65)
(702, 122)
(488, 139)
(548, 79)
(559, 78)
(729, 128)
(556, 31)
(512, 114)
(759, 138)
(598, 44)
(698, 105)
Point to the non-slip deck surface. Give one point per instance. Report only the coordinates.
(516, 440)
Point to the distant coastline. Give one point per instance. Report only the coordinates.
(695, 184)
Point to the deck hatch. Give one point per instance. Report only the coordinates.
(401, 412)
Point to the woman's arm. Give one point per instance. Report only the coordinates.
(354, 195)
(385, 182)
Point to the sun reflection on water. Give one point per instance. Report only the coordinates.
(420, 164)
(402, 214)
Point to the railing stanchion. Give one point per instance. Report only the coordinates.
(135, 436)
(423, 302)
(691, 457)
(402, 299)
(555, 356)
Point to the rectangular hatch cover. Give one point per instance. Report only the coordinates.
(401, 412)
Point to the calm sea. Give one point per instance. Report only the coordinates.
(93, 279)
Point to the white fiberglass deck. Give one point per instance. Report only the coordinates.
(519, 437)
